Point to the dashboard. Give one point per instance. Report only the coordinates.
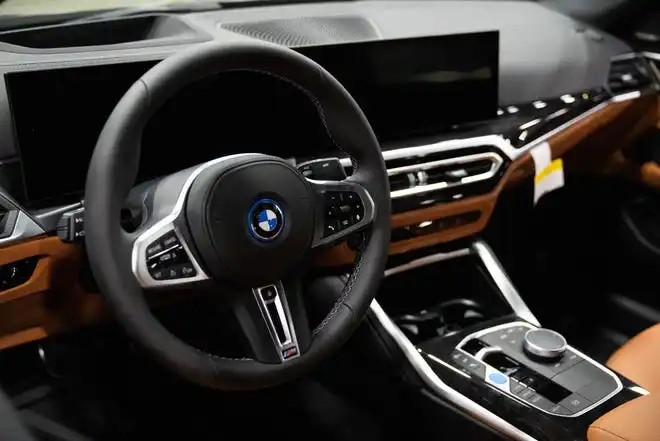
(458, 94)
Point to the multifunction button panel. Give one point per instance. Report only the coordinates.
(168, 260)
(342, 210)
(567, 386)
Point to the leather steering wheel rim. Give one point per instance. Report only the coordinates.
(113, 171)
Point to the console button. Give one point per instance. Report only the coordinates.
(597, 390)
(497, 378)
(516, 387)
(541, 402)
(469, 364)
(568, 360)
(526, 394)
(575, 403)
(511, 337)
(476, 368)
(558, 409)
(580, 375)
(534, 381)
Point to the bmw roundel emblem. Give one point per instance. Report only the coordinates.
(265, 220)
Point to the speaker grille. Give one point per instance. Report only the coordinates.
(306, 31)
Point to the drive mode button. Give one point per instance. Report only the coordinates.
(497, 378)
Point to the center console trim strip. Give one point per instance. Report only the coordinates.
(619, 385)
(504, 284)
(432, 380)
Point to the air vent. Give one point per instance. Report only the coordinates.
(447, 173)
(629, 75)
(429, 175)
(306, 31)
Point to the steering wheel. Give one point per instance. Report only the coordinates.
(243, 224)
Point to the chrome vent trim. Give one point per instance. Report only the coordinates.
(419, 171)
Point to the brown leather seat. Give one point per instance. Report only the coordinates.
(639, 359)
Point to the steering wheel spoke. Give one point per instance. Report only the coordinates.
(274, 322)
(346, 207)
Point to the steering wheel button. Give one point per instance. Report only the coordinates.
(333, 197)
(170, 240)
(166, 259)
(268, 293)
(158, 274)
(154, 249)
(345, 222)
(172, 273)
(187, 270)
(331, 227)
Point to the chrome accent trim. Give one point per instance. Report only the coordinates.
(633, 95)
(501, 279)
(284, 317)
(496, 141)
(320, 187)
(439, 387)
(165, 225)
(24, 228)
(584, 357)
(496, 164)
(651, 55)
(626, 56)
(424, 166)
(427, 260)
(540, 351)
(639, 390)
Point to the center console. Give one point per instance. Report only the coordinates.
(502, 369)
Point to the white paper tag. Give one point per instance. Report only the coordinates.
(549, 174)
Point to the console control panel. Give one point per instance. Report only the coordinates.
(167, 259)
(342, 210)
(567, 385)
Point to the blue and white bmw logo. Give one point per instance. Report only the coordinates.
(265, 220)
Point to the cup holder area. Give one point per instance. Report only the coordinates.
(442, 298)
(441, 320)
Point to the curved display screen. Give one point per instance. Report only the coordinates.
(407, 88)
